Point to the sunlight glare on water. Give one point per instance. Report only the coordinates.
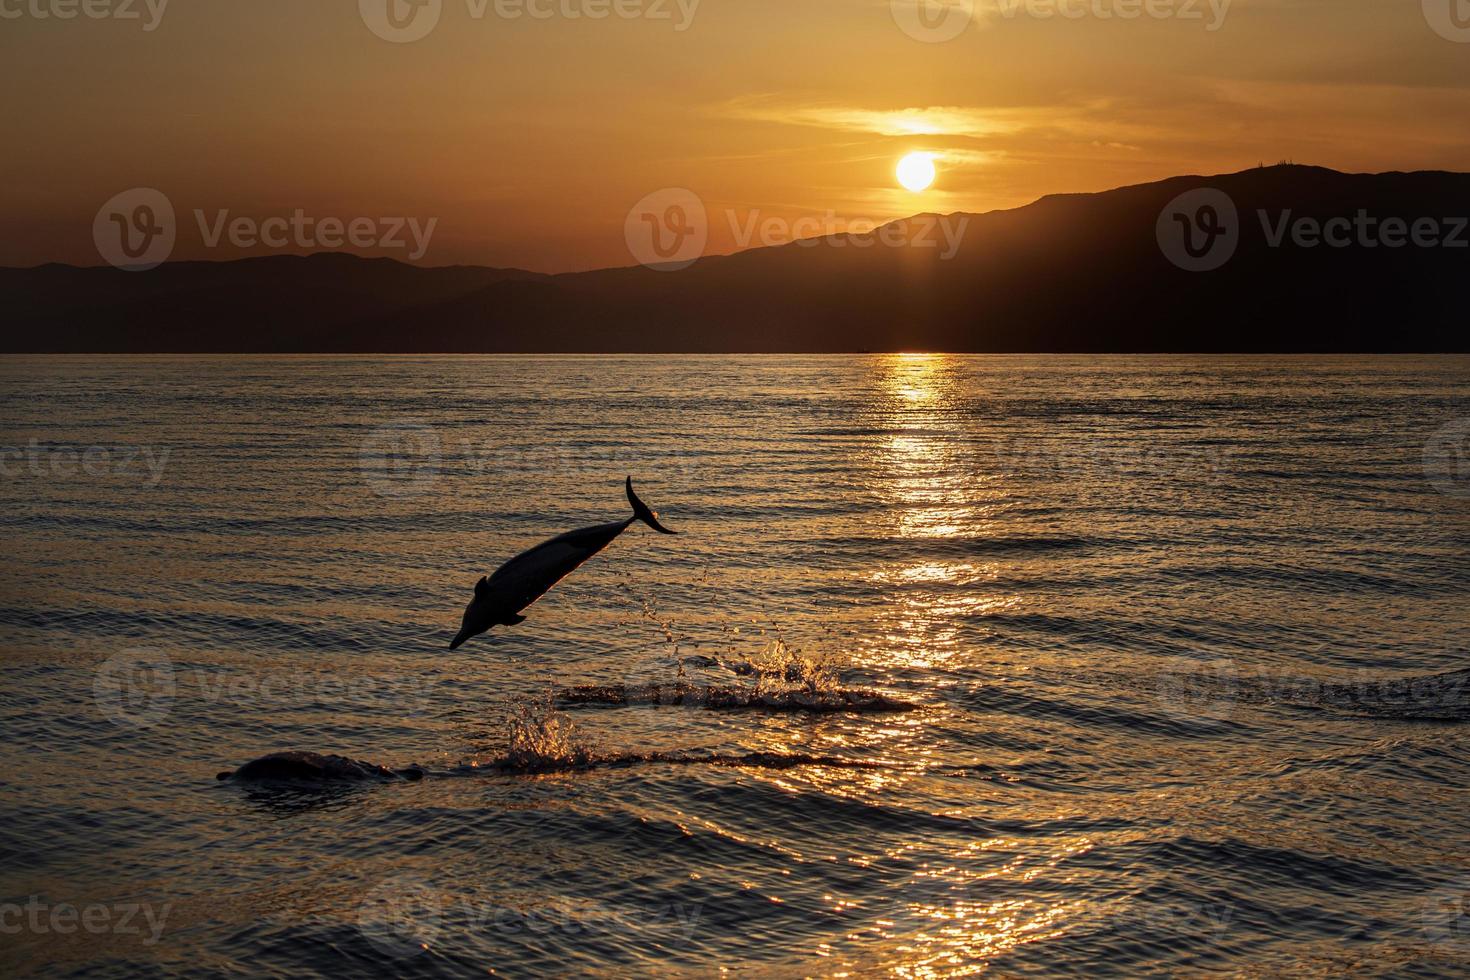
(1097, 607)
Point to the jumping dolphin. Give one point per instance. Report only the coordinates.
(527, 577)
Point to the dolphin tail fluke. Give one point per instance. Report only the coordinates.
(642, 513)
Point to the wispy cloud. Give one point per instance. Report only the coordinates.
(915, 121)
(1112, 123)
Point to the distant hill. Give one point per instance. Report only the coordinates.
(279, 303)
(1072, 272)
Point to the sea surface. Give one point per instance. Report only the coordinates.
(1012, 665)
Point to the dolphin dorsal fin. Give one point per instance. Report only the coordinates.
(481, 586)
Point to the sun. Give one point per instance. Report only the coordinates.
(916, 171)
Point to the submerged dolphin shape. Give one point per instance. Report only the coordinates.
(311, 767)
(527, 577)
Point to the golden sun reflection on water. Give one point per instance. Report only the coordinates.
(939, 496)
(959, 926)
(935, 490)
(896, 745)
(916, 378)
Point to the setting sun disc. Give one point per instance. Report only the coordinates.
(916, 171)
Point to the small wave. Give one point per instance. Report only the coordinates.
(874, 430)
(732, 698)
(1021, 545)
(529, 765)
(1090, 712)
(540, 739)
(1325, 581)
(206, 627)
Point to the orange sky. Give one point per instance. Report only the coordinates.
(528, 138)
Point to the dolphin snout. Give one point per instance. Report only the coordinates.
(458, 641)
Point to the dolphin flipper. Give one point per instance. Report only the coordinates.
(642, 513)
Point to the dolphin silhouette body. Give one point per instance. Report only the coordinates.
(500, 598)
(312, 767)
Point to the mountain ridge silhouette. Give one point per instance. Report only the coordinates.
(1067, 273)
